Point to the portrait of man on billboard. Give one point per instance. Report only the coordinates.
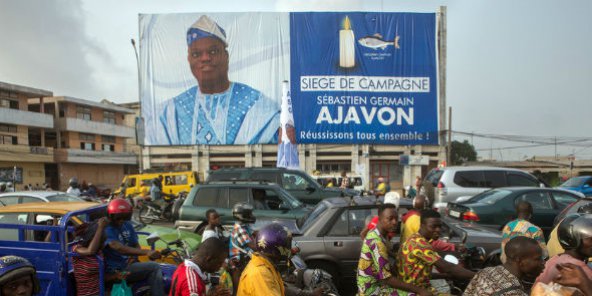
(216, 111)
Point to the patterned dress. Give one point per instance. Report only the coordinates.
(521, 227)
(414, 262)
(494, 281)
(374, 266)
(239, 115)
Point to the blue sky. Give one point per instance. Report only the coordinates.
(514, 67)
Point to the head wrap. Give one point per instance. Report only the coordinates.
(205, 27)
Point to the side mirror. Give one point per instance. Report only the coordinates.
(284, 207)
(152, 238)
(310, 189)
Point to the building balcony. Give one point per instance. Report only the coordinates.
(25, 153)
(94, 127)
(91, 156)
(26, 118)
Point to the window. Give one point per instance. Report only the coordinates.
(108, 117)
(538, 199)
(108, 147)
(236, 195)
(351, 222)
(516, 179)
(11, 234)
(295, 182)
(7, 103)
(9, 200)
(8, 140)
(87, 146)
(87, 137)
(494, 179)
(469, 179)
(265, 176)
(8, 128)
(207, 197)
(131, 182)
(108, 139)
(434, 176)
(563, 199)
(180, 179)
(83, 112)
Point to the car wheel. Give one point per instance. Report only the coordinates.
(329, 268)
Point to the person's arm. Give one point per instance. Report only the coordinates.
(364, 233)
(455, 270)
(572, 275)
(398, 284)
(95, 243)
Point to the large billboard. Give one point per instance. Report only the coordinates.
(356, 77)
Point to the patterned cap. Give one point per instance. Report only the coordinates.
(205, 27)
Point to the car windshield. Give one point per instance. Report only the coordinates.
(573, 182)
(310, 217)
(63, 197)
(288, 198)
(491, 196)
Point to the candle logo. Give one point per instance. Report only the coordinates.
(376, 41)
(347, 45)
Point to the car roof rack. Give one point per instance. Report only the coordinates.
(235, 181)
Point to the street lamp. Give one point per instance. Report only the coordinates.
(139, 121)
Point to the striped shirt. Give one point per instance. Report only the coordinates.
(188, 280)
(86, 274)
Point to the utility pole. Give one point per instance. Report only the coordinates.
(555, 148)
(449, 149)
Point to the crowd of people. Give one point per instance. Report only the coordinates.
(407, 268)
(247, 262)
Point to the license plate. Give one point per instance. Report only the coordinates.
(454, 214)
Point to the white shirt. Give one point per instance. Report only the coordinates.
(73, 191)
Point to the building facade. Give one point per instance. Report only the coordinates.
(26, 137)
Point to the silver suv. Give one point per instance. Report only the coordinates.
(443, 185)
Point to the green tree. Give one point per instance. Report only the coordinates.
(462, 152)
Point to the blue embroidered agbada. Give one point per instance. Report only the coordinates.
(240, 115)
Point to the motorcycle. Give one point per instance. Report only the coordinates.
(150, 212)
(472, 258)
(298, 277)
(178, 254)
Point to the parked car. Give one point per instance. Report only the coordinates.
(496, 207)
(298, 183)
(20, 197)
(222, 196)
(443, 185)
(41, 213)
(329, 236)
(581, 184)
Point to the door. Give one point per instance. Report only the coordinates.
(343, 241)
(544, 210)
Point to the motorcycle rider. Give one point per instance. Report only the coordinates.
(18, 277)
(191, 276)
(122, 243)
(417, 256)
(261, 276)
(553, 245)
(575, 236)
(73, 189)
(525, 261)
(241, 243)
(157, 195)
(376, 275)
